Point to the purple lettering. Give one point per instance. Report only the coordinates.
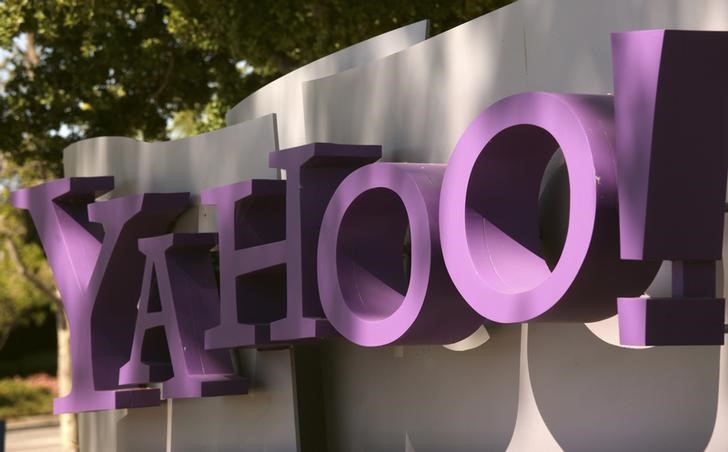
(372, 292)
(489, 212)
(178, 303)
(98, 273)
(251, 230)
(671, 108)
(411, 253)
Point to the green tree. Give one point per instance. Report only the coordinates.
(75, 69)
(78, 69)
(26, 285)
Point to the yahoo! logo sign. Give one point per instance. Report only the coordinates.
(322, 252)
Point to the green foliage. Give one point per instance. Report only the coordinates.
(276, 36)
(26, 282)
(79, 68)
(20, 398)
(22, 304)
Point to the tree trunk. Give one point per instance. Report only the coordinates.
(69, 426)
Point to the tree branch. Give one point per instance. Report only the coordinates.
(5, 329)
(165, 80)
(14, 254)
(30, 57)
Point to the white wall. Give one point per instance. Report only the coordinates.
(541, 387)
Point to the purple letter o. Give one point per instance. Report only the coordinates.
(489, 212)
(366, 290)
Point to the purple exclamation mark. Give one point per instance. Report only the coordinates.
(671, 116)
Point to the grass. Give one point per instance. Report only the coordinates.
(19, 398)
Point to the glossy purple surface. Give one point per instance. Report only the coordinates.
(179, 301)
(671, 108)
(373, 290)
(489, 212)
(411, 253)
(92, 250)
